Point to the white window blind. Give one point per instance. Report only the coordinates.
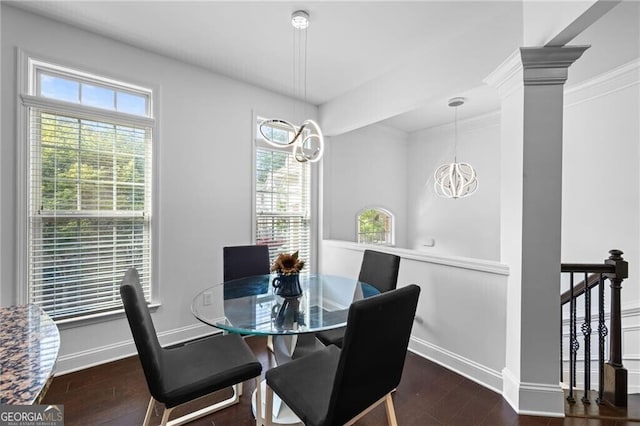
(89, 200)
(283, 203)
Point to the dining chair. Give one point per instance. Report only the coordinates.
(336, 386)
(180, 374)
(378, 269)
(245, 261)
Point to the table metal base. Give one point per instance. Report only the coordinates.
(285, 348)
(282, 415)
(288, 347)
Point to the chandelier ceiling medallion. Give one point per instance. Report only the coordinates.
(307, 139)
(455, 180)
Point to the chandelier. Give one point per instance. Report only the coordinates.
(455, 180)
(307, 139)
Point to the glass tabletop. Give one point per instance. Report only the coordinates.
(251, 306)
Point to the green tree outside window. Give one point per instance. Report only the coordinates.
(375, 226)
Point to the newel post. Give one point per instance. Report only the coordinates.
(615, 375)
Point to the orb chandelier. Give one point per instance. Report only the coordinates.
(455, 180)
(307, 139)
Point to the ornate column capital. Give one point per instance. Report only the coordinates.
(532, 66)
(548, 65)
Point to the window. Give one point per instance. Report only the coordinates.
(89, 198)
(375, 226)
(282, 201)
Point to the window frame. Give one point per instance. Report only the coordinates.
(392, 225)
(29, 66)
(315, 173)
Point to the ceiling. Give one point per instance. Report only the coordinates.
(353, 47)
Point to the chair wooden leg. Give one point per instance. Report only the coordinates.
(259, 397)
(234, 399)
(390, 417)
(268, 411)
(391, 412)
(147, 416)
(165, 416)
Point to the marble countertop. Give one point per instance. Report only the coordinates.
(29, 344)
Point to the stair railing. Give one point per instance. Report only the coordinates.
(612, 374)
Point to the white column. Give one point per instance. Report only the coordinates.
(531, 83)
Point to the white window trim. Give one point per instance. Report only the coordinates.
(23, 102)
(392, 233)
(316, 211)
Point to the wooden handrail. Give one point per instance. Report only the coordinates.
(590, 268)
(578, 289)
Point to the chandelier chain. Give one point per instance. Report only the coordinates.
(455, 180)
(306, 139)
(455, 134)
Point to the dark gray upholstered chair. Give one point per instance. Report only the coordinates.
(245, 261)
(378, 269)
(336, 386)
(181, 374)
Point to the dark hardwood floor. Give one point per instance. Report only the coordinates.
(116, 394)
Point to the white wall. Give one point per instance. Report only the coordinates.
(601, 149)
(461, 317)
(365, 168)
(205, 136)
(601, 182)
(468, 227)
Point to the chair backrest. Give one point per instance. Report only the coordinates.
(245, 261)
(373, 351)
(142, 329)
(380, 270)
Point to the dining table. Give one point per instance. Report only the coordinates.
(254, 306)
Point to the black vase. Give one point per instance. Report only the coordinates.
(287, 285)
(287, 316)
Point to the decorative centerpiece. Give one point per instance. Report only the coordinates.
(287, 316)
(288, 267)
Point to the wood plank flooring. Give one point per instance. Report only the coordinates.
(116, 394)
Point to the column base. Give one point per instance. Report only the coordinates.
(535, 399)
(615, 385)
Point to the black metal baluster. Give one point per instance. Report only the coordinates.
(613, 377)
(602, 334)
(573, 342)
(586, 332)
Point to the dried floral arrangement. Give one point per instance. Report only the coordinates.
(287, 264)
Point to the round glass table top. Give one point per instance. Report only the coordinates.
(250, 305)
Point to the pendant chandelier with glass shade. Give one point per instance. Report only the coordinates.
(455, 180)
(307, 139)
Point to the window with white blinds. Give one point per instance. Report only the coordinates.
(282, 202)
(89, 209)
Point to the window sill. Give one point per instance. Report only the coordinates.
(97, 318)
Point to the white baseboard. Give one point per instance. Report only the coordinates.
(472, 370)
(526, 398)
(99, 355)
(534, 399)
